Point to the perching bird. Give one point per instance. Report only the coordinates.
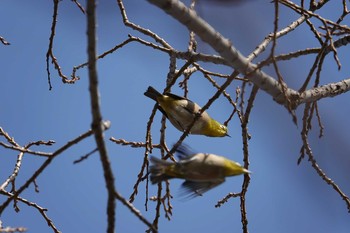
(181, 113)
(200, 171)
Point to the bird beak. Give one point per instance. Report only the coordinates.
(227, 135)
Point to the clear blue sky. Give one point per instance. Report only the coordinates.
(282, 197)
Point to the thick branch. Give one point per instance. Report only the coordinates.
(97, 125)
(235, 59)
(329, 90)
(224, 47)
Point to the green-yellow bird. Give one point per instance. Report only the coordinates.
(181, 113)
(200, 171)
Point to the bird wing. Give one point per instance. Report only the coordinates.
(184, 152)
(190, 106)
(162, 110)
(194, 188)
(176, 97)
(184, 107)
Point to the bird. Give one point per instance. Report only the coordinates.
(201, 171)
(181, 113)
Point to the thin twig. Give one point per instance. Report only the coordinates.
(50, 54)
(4, 41)
(81, 8)
(13, 229)
(307, 149)
(144, 31)
(41, 210)
(76, 68)
(226, 198)
(46, 164)
(22, 150)
(123, 142)
(84, 157)
(135, 211)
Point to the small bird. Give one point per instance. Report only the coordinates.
(181, 113)
(200, 171)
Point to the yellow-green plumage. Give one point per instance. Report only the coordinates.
(181, 113)
(200, 171)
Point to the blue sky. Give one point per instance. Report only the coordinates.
(282, 197)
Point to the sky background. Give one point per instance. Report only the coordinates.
(282, 197)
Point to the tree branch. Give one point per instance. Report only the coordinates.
(329, 90)
(225, 48)
(280, 92)
(44, 165)
(97, 125)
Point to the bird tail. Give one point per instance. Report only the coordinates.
(158, 170)
(152, 93)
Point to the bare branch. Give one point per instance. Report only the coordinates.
(133, 144)
(226, 198)
(309, 14)
(140, 29)
(225, 48)
(24, 149)
(4, 41)
(76, 68)
(320, 172)
(50, 53)
(81, 8)
(329, 90)
(41, 210)
(97, 124)
(15, 172)
(44, 165)
(13, 229)
(84, 157)
(21, 149)
(135, 211)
